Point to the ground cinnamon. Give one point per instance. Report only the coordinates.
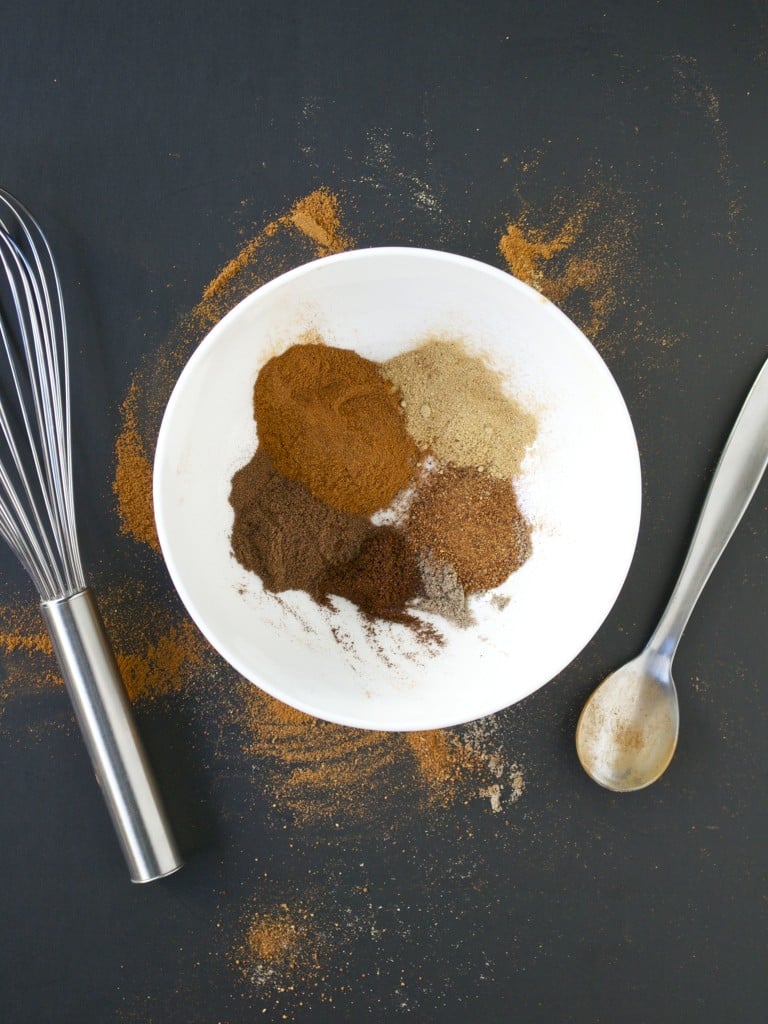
(328, 419)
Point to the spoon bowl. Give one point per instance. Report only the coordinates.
(627, 732)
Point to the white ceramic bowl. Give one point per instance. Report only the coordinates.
(580, 487)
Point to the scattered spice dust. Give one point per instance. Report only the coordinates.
(163, 667)
(690, 85)
(28, 666)
(22, 629)
(157, 655)
(290, 951)
(325, 772)
(446, 765)
(280, 947)
(527, 249)
(317, 217)
(580, 252)
(320, 771)
(132, 484)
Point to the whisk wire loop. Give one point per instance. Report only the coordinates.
(37, 515)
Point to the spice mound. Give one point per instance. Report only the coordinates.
(283, 533)
(381, 579)
(330, 420)
(470, 521)
(455, 407)
(387, 485)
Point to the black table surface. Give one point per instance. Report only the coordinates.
(152, 141)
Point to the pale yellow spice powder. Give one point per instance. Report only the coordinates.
(456, 408)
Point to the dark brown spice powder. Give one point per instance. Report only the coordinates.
(381, 580)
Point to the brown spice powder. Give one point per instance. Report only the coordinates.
(382, 578)
(471, 521)
(328, 419)
(283, 533)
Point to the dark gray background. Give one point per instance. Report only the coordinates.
(135, 134)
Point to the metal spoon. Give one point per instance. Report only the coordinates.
(627, 732)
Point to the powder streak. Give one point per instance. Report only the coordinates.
(316, 218)
(580, 254)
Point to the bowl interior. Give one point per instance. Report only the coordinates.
(580, 488)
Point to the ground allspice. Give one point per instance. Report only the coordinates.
(283, 533)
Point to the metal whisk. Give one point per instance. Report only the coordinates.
(37, 519)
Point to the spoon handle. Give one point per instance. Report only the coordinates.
(735, 480)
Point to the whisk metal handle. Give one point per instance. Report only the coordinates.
(93, 681)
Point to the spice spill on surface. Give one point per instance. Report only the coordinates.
(132, 483)
(280, 947)
(284, 242)
(580, 251)
(321, 772)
